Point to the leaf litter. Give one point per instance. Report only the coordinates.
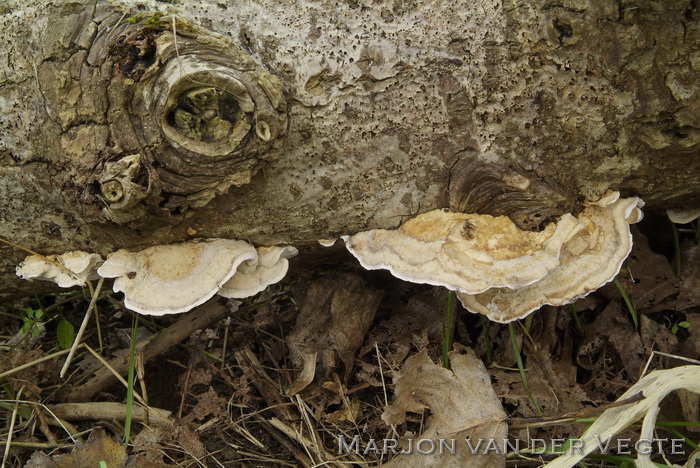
(349, 353)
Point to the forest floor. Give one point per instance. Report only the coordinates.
(332, 366)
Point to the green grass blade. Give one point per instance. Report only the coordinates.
(521, 368)
(630, 307)
(577, 319)
(130, 381)
(678, 434)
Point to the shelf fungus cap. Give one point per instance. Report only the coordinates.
(683, 216)
(589, 260)
(66, 270)
(170, 279)
(465, 252)
(254, 276)
(327, 242)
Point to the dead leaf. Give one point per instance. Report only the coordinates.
(349, 412)
(305, 377)
(99, 447)
(613, 328)
(462, 406)
(412, 323)
(335, 317)
(690, 276)
(209, 404)
(691, 346)
(508, 385)
(656, 336)
(650, 279)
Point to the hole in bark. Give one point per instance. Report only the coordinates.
(134, 54)
(691, 13)
(205, 114)
(563, 28)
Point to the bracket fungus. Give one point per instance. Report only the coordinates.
(254, 276)
(683, 216)
(169, 279)
(499, 269)
(588, 261)
(465, 252)
(66, 270)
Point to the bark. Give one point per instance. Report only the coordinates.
(290, 121)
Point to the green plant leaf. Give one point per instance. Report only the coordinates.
(66, 334)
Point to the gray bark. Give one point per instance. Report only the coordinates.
(305, 120)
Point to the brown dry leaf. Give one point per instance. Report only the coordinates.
(199, 376)
(142, 462)
(98, 448)
(691, 346)
(209, 403)
(182, 436)
(335, 316)
(652, 280)
(568, 395)
(551, 370)
(690, 276)
(690, 405)
(305, 377)
(508, 385)
(368, 373)
(613, 328)
(657, 337)
(411, 324)
(462, 406)
(349, 412)
(147, 444)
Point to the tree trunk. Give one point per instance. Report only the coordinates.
(291, 121)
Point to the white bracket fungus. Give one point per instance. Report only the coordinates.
(498, 269)
(254, 276)
(464, 252)
(169, 279)
(683, 216)
(588, 261)
(66, 270)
